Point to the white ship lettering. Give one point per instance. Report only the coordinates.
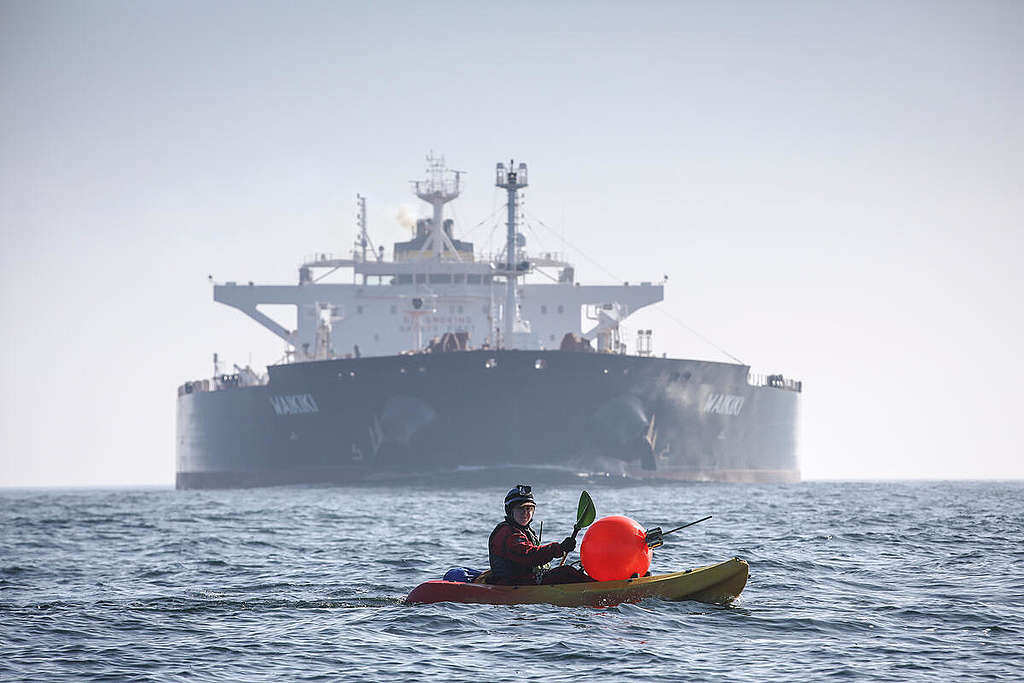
(723, 404)
(294, 404)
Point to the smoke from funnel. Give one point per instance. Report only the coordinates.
(406, 218)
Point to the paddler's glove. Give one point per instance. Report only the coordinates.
(568, 545)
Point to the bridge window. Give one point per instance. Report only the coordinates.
(359, 309)
(561, 309)
(394, 309)
(459, 278)
(543, 309)
(420, 278)
(473, 279)
(440, 279)
(405, 279)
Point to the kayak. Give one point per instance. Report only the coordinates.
(717, 583)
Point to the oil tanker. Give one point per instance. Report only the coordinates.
(443, 361)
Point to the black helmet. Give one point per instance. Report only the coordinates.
(517, 496)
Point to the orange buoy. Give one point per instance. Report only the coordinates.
(614, 549)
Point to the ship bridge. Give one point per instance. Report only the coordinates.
(396, 318)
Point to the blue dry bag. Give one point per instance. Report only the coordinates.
(462, 574)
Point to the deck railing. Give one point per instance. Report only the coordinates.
(776, 381)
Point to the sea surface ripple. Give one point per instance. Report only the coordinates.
(865, 581)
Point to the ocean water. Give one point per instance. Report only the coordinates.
(861, 581)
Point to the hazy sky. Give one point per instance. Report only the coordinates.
(834, 190)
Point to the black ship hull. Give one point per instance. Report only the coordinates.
(350, 420)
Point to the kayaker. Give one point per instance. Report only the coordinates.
(516, 555)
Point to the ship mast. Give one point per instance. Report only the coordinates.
(364, 237)
(437, 190)
(511, 180)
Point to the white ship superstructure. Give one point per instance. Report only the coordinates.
(435, 285)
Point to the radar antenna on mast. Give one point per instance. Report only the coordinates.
(511, 180)
(437, 190)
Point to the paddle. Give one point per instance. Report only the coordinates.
(585, 515)
(654, 536)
